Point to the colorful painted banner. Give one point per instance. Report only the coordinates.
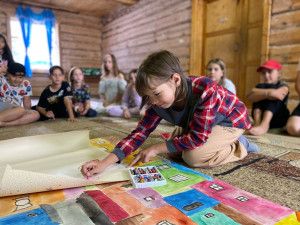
(188, 198)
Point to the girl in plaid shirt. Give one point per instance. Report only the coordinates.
(209, 120)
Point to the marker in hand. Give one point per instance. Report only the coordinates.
(88, 169)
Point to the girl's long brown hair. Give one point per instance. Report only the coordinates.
(159, 67)
(71, 82)
(222, 65)
(115, 68)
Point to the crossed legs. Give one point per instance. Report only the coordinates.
(17, 116)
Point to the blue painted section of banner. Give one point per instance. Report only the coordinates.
(191, 202)
(32, 217)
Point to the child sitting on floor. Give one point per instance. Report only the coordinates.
(81, 103)
(293, 124)
(112, 84)
(15, 91)
(210, 120)
(269, 100)
(55, 100)
(131, 101)
(216, 70)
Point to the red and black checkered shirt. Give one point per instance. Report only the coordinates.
(215, 99)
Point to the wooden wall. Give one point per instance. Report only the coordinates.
(151, 25)
(284, 43)
(79, 41)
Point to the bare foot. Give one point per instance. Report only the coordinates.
(259, 130)
(1, 124)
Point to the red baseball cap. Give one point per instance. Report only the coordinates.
(271, 65)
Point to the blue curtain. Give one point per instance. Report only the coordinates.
(27, 17)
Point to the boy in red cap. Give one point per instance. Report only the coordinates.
(269, 100)
(15, 92)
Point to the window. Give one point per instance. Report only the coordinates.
(38, 50)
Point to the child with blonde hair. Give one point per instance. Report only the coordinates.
(112, 84)
(81, 102)
(216, 70)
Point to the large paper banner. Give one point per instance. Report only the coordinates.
(50, 162)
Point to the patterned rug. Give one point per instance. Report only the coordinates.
(189, 197)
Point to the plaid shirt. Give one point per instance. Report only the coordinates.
(214, 99)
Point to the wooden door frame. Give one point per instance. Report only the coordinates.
(267, 13)
(197, 27)
(196, 45)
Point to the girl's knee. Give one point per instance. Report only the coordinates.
(36, 114)
(293, 126)
(293, 130)
(21, 109)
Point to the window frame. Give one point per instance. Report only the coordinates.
(57, 46)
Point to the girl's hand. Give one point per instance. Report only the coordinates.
(142, 112)
(105, 103)
(144, 156)
(72, 119)
(83, 113)
(127, 114)
(79, 108)
(91, 168)
(50, 114)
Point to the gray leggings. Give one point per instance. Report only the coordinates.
(6, 105)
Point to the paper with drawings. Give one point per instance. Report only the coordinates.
(50, 162)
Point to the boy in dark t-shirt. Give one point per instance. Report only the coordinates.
(55, 100)
(269, 100)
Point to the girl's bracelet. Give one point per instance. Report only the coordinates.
(266, 94)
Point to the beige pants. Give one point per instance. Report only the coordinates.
(221, 147)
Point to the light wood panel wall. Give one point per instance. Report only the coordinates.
(285, 42)
(79, 41)
(151, 26)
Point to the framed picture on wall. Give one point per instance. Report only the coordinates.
(91, 71)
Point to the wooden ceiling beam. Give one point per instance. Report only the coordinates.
(39, 5)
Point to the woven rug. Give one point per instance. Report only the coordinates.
(189, 197)
(272, 174)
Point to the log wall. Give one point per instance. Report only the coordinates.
(284, 43)
(79, 41)
(146, 27)
(151, 25)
